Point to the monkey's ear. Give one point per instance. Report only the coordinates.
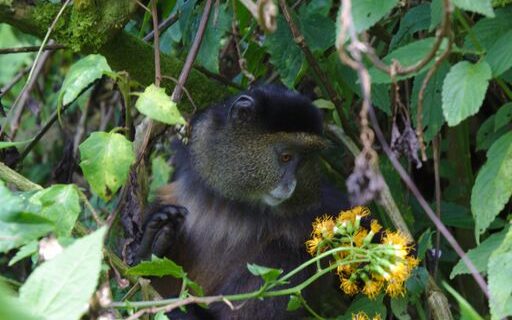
(242, 109)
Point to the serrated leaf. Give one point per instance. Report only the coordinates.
(493, 185)
(433, 118)
(19, 222)
(500, 279)
(366, 13)
(80, 75)
(24, 252)
(285, 55)
(487, 30)
(486, 134)
(157, 105)
(62, 287)
(480, 255)
(466, 310)
(479, 6)
(407, 55)
(106, 160)
(158, 267)
(60, 204)
(503, 116)
(219, 23)
(464, 90)
(498, 56)
(318, 29)
(268, 274)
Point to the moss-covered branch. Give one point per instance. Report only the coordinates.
(92, 26)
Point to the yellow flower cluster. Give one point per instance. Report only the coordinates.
(363, 316)
(368, 261)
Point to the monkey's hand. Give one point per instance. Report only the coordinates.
(161, 230)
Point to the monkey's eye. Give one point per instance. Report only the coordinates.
(285, 157)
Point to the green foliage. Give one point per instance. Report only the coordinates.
(61, 288)
(500, 279)
(466, 310)
(464, 90)
(493, 185)
(157, 105)
(105, 160)
(268, 274)
(481, 6)
(366, 13)
(157, 267)
(498, 57)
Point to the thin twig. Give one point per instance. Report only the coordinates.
(156, 42)
(143, 6)
(437, 180)
(49, 47)
(164, 25)
(192, 53)
(426, 207)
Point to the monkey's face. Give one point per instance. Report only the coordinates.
(244, 162)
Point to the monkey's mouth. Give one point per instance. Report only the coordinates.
(280, 194)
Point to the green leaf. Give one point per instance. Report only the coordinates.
(80, 75)
(324, 104)
(480, 255)
(59, 204)
(158, 267)
(407, 55)
(24, 252)
(161, 316)
(8, 144)
(371, 307)
(479, 6)
(498, 56)
(294, 303)
(317, 27)
(160, 175)
(19, 223)
(219, 23)
(268, 274)
(366, 13)
(500, 279)
(414, 20)
(106, 160)
(466, 310)
(399, 308)
(464, 90)
(486, 134)
(503, 116)
(433, 118)
(436, 13)
(493, 185)
(488, 30)
(157, 105)
(11, 307)
(62, 287)
(285, 55)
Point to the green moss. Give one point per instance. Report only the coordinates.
(500, 3)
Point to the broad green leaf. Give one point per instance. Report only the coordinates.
(480, 255)
(158, 267)
(11, 308)
(488, 30)
(12, 63)
(414, 20)
(407, 55)
(218, 24)
(268, 274)
(486, 134)
(503, 116)
(466, 310)
(493, 185)
(316, 26)
(106, 160)
(80, 75)
(366, 13)
(500, 279)
(498, 56)
(8, 144)
(372, 307)
(464, 90)
(285, 55)
(433, 118)
(436, 13)
(479, 6)
(24, 252)
(399, 308)
(324, 104)
(157, 105)
(62, 287)
(19, 222)
(160, 175)
(60, 204)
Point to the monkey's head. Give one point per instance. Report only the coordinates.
(260, 147)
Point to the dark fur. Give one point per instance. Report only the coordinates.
(224, 231)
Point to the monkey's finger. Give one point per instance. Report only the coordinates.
(163, 240)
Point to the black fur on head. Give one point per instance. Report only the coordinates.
(274, 108)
